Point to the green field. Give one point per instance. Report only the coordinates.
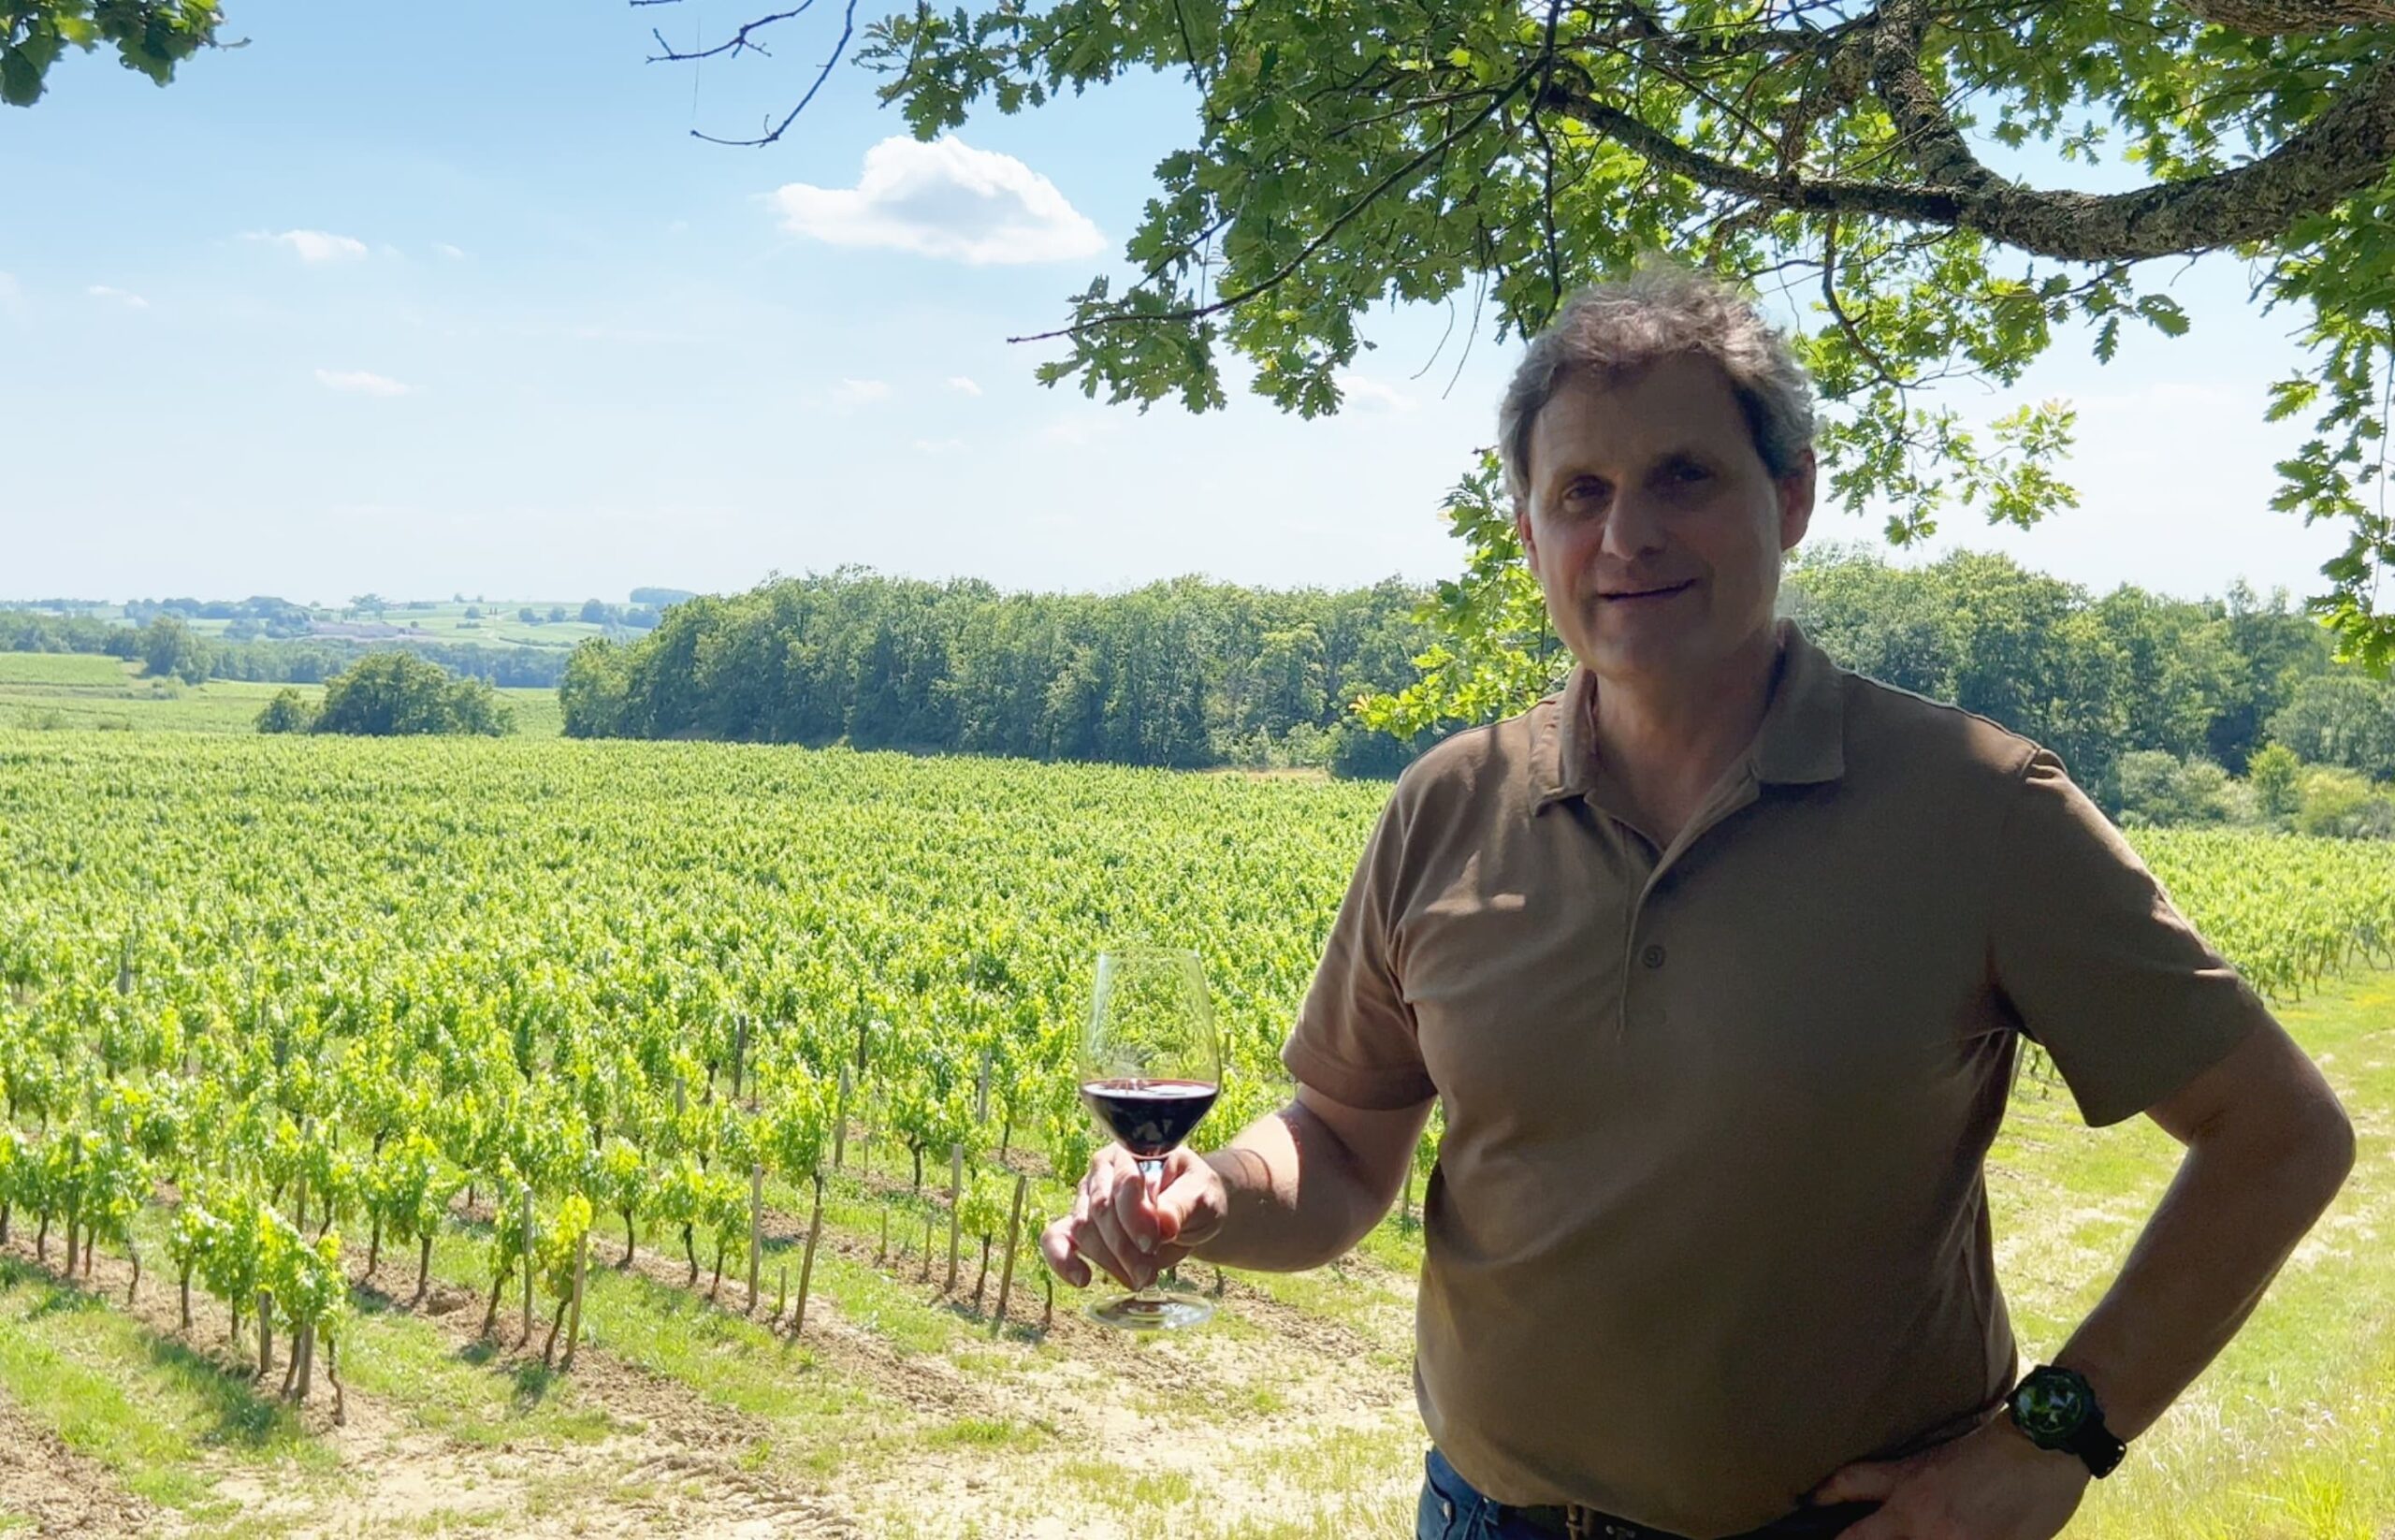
(50, 691)
(513, 928)
(497, 625)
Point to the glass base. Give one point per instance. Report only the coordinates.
(1163, 1313)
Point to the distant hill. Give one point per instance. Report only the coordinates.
(660, 598)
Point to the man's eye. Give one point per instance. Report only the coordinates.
(1684, 472)
(1585, 489)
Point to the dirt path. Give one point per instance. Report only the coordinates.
(54, 1491)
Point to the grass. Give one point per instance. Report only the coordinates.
(81, 692)
(165, 1420)
(2290, 1434)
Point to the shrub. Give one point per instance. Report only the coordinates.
(288, 712)
(2339, 803)
(2273, 773)
(395, 693)
(2157, 787)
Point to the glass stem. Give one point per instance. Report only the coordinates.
(1152, 1172)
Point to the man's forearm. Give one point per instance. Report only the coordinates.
(1297, 1198)
(2232, 1215)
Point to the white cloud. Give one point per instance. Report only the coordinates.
(448, 251)
(944, 199)
(316, 245)
(358, 382)
(962, 385)
(858, 392)
(937, 446)
(1362, 390)
(123, 296)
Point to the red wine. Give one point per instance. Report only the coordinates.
(1150, 1116)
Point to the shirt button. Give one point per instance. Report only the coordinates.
(1653, 957)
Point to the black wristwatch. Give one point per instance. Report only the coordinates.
(2056, 1408)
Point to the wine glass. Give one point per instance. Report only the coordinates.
(1150, 1071)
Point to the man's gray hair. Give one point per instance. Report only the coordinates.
(1610, 330)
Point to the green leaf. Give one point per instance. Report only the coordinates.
(19, 81)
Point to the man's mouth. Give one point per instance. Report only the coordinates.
(1664, 592)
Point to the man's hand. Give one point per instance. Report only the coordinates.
(1129, 1231)
(1989, 1484)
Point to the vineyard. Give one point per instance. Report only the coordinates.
(557, 1045)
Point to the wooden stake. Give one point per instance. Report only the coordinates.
(573, 1315)
(955, 1214)
(806, 1263)
(839, 1127)
(266, 1335)
(1006, 1274)
(528, 1266)
(982, 1093)
(755, 1229)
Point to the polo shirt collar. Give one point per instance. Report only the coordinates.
(1802, 740)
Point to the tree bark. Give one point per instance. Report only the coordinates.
(2270, 18)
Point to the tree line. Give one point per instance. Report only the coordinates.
(2159, 705)
(1192, 674)
(1185, 674)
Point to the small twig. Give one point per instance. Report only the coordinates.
(1846, 324)
(847, 30)
(738, 43)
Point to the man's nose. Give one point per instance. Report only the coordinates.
(1633, 527)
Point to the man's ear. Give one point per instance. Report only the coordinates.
(1522, 530)
(1796, 491)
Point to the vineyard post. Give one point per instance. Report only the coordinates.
(955, 1212)
(982, 1093)
(1014, 1233)
(839, 1126)
(527, 1264)
(756, 1225)
(573, 1312)
(265, 1334)
(806, 1263)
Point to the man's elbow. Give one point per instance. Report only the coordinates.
(2312, 1152)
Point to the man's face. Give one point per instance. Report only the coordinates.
(1652, 524)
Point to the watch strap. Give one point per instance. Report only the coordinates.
(2096, 1445)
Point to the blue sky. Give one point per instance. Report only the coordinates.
(443, 298)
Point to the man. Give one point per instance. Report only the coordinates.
(1716, 962)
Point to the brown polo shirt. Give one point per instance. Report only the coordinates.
(1709, 1221)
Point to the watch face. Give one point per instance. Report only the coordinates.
(2049, 1407)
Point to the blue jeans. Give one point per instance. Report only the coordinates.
(1452, 1509)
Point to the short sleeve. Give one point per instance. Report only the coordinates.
(1354, 1037)
(2101, 970)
